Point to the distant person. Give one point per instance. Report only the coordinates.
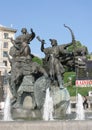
(85, 103)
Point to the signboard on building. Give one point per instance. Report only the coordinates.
(83, 83)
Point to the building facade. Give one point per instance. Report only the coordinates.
(5, 44)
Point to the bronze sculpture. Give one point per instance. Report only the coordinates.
(21, 55)
(53, 56)
(28, 78)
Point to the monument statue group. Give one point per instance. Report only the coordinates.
(29, 80)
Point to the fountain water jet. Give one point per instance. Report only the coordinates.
(48, 107)
(68, 111)
(79, 108)
(7, 108)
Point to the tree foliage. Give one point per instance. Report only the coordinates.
(78, 45)
(37, 59)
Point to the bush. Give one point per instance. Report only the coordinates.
(38, 60)
(69, 77)
(82, 90)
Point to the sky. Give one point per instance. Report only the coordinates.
(47, 17)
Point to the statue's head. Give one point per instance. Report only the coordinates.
(24, 30)
(53, 42)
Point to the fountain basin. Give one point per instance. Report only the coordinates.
(45, 125)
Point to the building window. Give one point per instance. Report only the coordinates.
(5, 45)
(5, 62)
(5, 35)
(5, 54)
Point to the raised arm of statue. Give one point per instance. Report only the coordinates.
(42, 43)
(32, 35)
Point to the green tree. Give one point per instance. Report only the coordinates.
(37, 59)
(78, 45)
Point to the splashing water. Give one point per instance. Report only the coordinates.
(7, 109)
(79, 108)
(48, 107)
(69, 109)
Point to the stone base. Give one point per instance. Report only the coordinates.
(60, 99)
(26, 114)
(42, 125)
